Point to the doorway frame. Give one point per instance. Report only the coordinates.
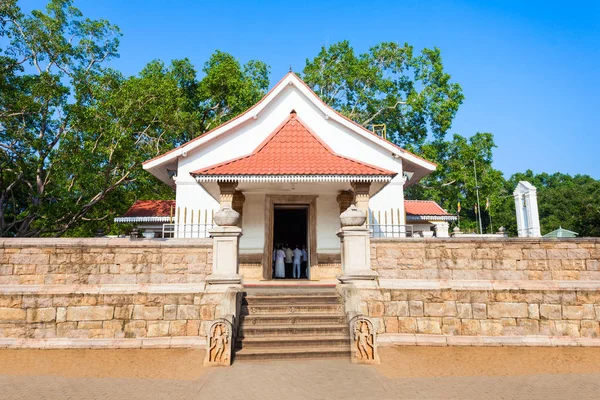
(284, 200)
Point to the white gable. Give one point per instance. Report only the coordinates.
(243, 134)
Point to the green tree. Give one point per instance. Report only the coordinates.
(454, 179)
(73, 133)
(411, 94)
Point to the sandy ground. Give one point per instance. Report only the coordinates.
(444, 373)
(173, 364)
(396, 362)
(416, 362)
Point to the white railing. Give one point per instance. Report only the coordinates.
(190, 231)
(390, 231)
(386, 224)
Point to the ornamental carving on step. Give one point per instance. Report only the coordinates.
(364, 346)
(219, 343)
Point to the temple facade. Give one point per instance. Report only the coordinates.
(289, 166)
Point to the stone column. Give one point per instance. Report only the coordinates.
(238, 205)
(344, 199)
(356, 247)
(227, 193)
(226, 238)
(361, 195)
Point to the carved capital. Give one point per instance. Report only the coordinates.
(345, 199)
(227, 190)
(237, 203)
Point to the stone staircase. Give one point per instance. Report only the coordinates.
(283, 322)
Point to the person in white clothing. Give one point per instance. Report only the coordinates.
(275, 247)
(304, 262)
(297, 260)
(280, 263)
(289, 255)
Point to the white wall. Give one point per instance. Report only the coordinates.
(253, 224)
(328, 224)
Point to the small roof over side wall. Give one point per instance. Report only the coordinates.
(426, 210)
(148, 211)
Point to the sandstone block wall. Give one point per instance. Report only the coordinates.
(104, 261)
(95, 316)
(487, 259)
(462, 311)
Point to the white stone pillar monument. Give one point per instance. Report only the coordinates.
(442, 230)
(528, 219)
(356, 247)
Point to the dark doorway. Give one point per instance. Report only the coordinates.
(290, 228)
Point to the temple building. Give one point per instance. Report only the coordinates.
(289, 166)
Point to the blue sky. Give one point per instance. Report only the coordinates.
(529, 69)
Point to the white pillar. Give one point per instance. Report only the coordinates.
(225, 269)
(441, 229)
(526, 207)
(356, 247)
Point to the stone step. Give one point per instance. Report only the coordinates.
(291, 292)
(286, 353)
(293, 342)
(290, 299)
(312, 308)
(276, 331)
(295, 319)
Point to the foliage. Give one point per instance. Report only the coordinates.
(454, 179)
(73, 133)
(411, 94)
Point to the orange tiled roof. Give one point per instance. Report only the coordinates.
(292, 149)
(150, 208)
(423, 207)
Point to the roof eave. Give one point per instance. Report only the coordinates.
(293, 178)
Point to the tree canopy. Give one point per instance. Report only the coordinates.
(411, 94)
(74, 132)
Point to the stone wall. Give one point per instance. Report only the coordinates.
(487, 259)
(112, 292)
(104, 261)
(466, 309)
(80, 314)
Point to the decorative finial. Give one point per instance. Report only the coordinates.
(290, 67)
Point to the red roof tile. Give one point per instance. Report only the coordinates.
(423, 207)
(150, 208)
(292, 149)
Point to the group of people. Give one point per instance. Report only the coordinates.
(290, 263)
